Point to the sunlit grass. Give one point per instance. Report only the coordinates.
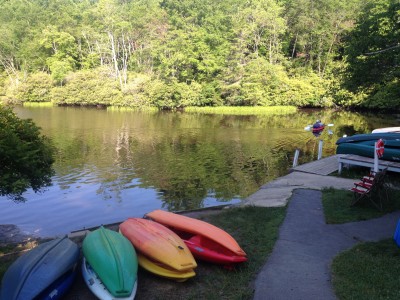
(150, 109)
(243, 110)
(38, 104)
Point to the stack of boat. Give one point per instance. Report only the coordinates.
(364, 145)
(163, 243)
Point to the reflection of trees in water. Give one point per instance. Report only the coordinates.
(188, 157)
(187, 170)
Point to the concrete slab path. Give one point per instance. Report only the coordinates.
(277, 192)
(299, 266)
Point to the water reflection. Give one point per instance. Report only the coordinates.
(114, 165)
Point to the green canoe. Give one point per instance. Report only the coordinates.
(114, 260)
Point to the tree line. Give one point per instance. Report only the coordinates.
(174, 54)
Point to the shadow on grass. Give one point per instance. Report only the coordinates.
(338, 209)
(368, 271)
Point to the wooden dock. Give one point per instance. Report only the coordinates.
(351, 159)
(328, 165)
(324, 166)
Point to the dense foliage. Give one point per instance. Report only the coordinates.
(373, 54)
(173, 54)
(25, 156)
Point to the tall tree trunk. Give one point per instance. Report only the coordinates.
(294, 45)
(114, 58)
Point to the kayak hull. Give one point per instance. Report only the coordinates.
(113, 258)
(47, 270)
(368, 137)
(386, 129)
(163, 271)
(96, 285)
(158, 243)
(390, 154)
(202, 250)
(206, 241)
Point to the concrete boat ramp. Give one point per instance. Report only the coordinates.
(313, 175)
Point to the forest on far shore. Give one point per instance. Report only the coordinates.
(176, 53)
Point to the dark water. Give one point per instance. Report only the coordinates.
(111, 165)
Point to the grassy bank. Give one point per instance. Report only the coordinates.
(254, 228)
(243, 110)
(38, 104)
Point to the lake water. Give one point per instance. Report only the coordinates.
(111, 165)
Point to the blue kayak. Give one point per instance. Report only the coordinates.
(45, 272)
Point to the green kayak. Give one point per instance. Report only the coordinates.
(113, 258)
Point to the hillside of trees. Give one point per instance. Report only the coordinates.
(173, 54)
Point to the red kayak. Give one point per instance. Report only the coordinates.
(205, 241)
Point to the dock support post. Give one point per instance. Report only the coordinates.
(320, 149)
(376, 159)
(296, 157)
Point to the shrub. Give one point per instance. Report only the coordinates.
(88, 88)
(36, 88)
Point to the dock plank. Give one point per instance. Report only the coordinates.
(324, 166)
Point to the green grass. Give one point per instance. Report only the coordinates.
(368, 271)
(146, 109)
(38, 104)
(337, 208)
(243, 110)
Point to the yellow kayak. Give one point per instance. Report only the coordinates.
(163, 271)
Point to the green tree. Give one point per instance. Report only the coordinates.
(372, 50)
(26, 156)
(316, 29)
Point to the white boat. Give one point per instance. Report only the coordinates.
(386, 129)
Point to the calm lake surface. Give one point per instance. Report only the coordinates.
(111, 165)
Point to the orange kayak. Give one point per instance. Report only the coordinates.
(205, 240)
(158, 243)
